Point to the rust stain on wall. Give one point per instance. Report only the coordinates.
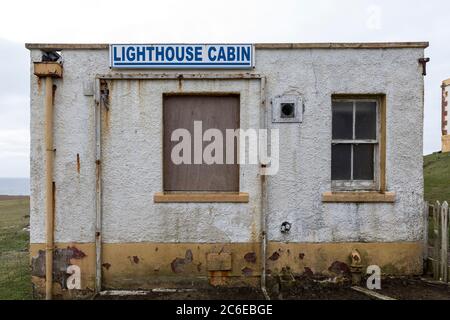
(180, 83)
(134, 259)
(106, 265)
(105, 88)
(218, 278)
(54, 92)
(78, 163)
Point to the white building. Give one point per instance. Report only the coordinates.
(349, 175)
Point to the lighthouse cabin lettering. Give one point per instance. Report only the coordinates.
(181, 56)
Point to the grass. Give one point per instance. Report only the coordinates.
(15, 278)
(436, 171)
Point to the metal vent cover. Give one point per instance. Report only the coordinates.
(287, 109)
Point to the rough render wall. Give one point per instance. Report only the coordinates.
(305, 151)
(132, 162)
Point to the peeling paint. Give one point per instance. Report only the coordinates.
(301, 256)
(247, 271)
(61, 261)
(76, 253)
(250, 257)
(275, 256)
(178, 264)
(106, 265)
(339, 268)
(308, 272)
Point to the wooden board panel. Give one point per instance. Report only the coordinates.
(48, 69)
(358, 197)
(161, 197)
(320, 45)
(218, 112)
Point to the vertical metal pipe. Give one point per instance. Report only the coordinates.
(264, 125)
(98, 191)
(49, 190)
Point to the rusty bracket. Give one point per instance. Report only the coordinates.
(423, 62)
(104, 94)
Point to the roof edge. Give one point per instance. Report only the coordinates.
(322, 45)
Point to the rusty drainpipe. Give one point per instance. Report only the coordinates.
(50, 210)
(49, 70)
(264, 125)
(99, 102)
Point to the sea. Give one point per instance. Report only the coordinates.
(15, 186)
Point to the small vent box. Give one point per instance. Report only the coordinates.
(287, 109)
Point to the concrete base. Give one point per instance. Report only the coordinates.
(187, 265)
(446, 143)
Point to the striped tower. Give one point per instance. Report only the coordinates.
(445, 116)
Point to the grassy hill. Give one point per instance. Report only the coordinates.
(15, 279)
(436, 171)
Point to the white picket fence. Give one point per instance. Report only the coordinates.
(436, 217)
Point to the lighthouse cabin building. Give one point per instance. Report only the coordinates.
(199, 165)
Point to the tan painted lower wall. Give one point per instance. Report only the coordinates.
(149, 265)
(446, 143)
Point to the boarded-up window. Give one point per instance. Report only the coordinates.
(215, 112)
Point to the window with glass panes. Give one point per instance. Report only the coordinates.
(354, 144)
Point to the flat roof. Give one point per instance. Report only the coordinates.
(323, 45)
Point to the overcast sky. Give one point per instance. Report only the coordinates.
(113, 21)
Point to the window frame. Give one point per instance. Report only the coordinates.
(360, 185)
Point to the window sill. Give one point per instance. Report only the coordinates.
(359, 197)
(213, 197)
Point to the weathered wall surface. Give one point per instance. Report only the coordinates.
(151, 264)
(132, 158)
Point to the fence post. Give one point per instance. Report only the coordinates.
(436, 241)
(426, 214)
(444, 241)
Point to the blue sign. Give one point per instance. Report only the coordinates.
(182, 56)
